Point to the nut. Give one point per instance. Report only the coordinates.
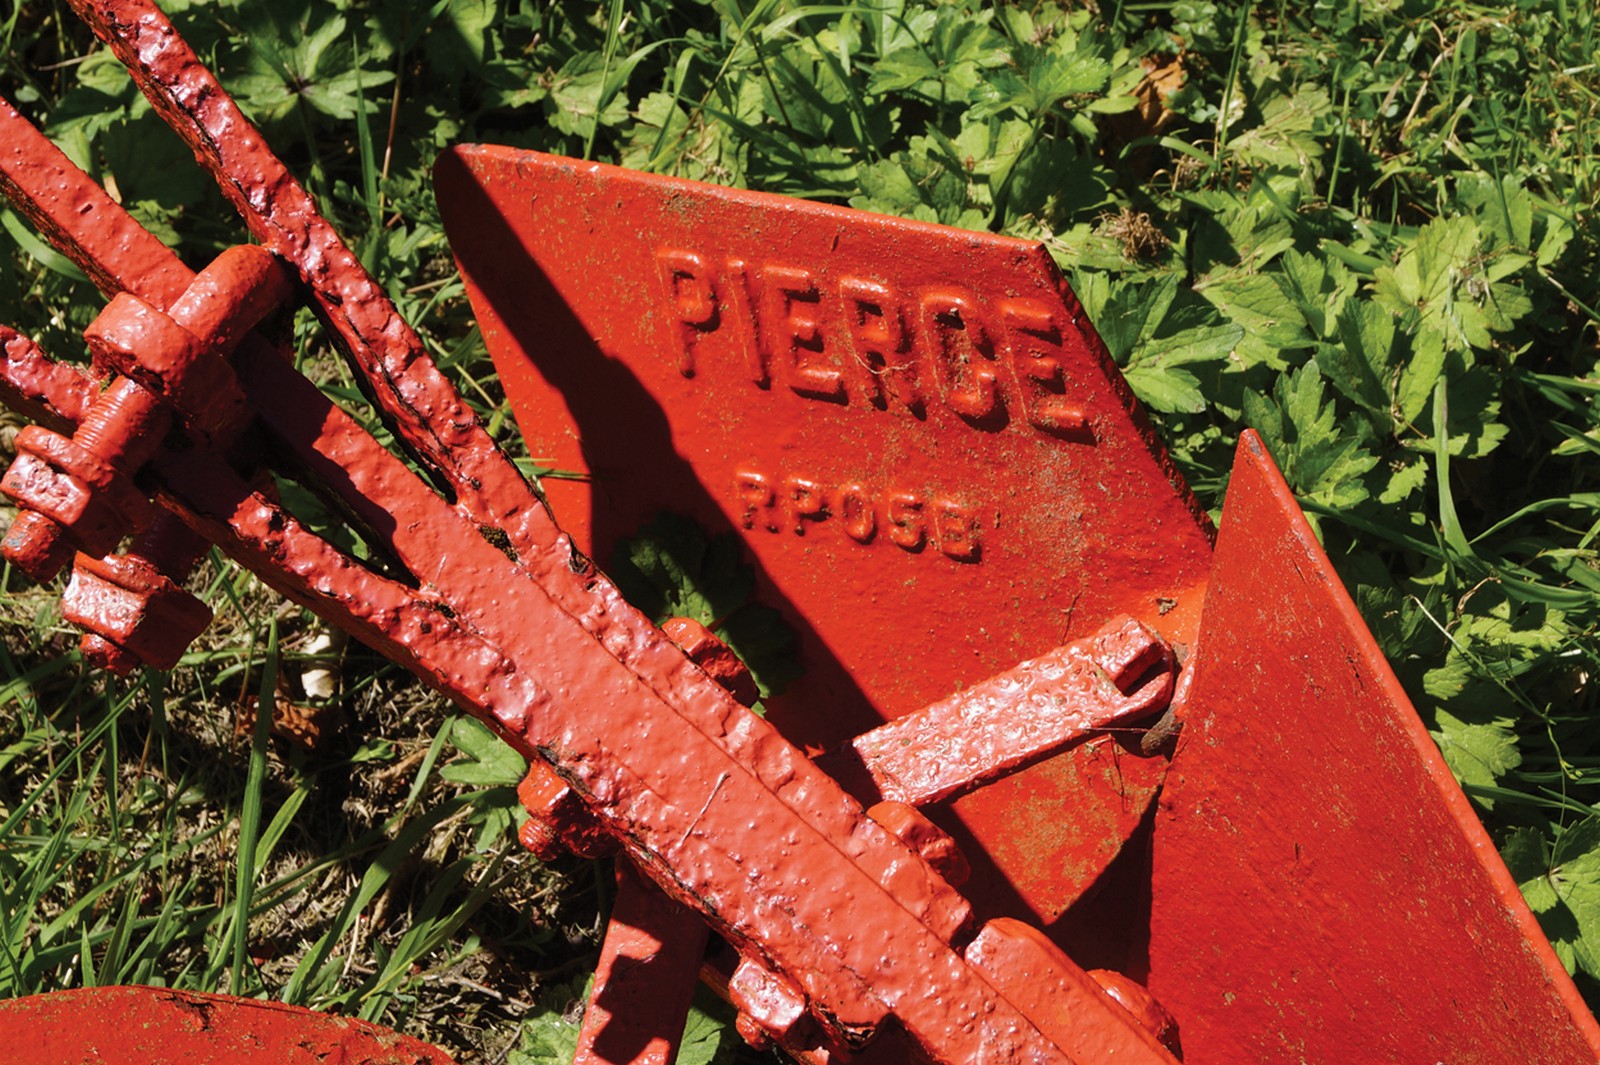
(933, 843)
(557, 818)
(130, 604)
(714, 657)
(771, 1009)
(62, 480)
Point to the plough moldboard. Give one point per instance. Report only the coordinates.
(1067, 778)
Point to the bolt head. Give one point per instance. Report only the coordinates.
(131, 605)
(37, 546)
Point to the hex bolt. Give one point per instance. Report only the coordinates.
(909, 825)
(1128, 653)
(182, 355)
(1137, 1000)
(101, 653)
(128, 603)
(78, 491)
(159, 559)
(135, 339)
(543, 795)
(771, 1009)
(557, 819)
(713, 656)
(75, 491)
(37, 546)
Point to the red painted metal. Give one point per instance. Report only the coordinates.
(714, 657)
(569, 261)
(771, 1008)
(654, 946)
(939, 474)
(78, 491)
(1120, 675)
(163, 624)
(783, 371)
(134, 607)
(73, 495)
(923, 836)
(672, 766)
(645, 980)
(558, 821)
(426, 412)
(159, 1026)
(1137, 1000)
(902, 419)
(1032, 969)
(1321, 890)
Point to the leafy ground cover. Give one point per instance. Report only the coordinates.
(1365, 230)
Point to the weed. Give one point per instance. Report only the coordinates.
(1365, 230)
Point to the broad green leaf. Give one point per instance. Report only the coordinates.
(1284, 138)
(549, 1035)
(903, 69)
(1323, 461)
(313, 66)
(574, 100)
(1209, 343)
(1166, 388)
(1404, 482)
(1043, 80)
(671, 569)
(1446, 279)
(1478, 752)
(888, 188)
(1131, 313)
(1503, 208)
(953, 50)
(1574, 879)
(709, 1036)
(461, 38)
(1420, 374)
(1557, 233)
(1474, 411)
(490, 762)
(1530, 631)
(1318, 285)
(1361, 364)
(1268, 323)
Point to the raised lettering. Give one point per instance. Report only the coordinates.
(906, 526)
(956, 528)
(959, 344)
(1034, 336)
(910, 519)
(857, 514)
(850, 339)
(735, 288)
(688, 288)
(755, 496)
(876, 334)
(791, 313)
(803, 499)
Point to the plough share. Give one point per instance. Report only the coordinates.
(1188, 807)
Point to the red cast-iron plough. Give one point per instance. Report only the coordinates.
(1189, 808)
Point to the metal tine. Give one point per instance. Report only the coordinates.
(424, 409)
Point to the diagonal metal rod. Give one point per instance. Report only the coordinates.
(427, 414)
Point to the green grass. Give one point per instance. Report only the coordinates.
(1366, 230)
